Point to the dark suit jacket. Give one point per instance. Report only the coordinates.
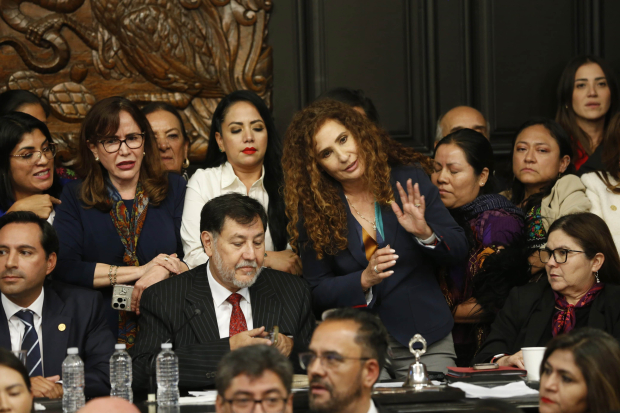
(410, 300)
(81, 311)
(527, 315)
(277, 298)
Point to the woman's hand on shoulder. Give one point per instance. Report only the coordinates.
(286, 261)
(379, 267)
(411, 217)
(42, 205)
(158, 269)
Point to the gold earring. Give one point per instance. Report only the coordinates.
(186, 163)
(96, 158)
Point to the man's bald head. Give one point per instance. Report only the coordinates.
(109, 404)
(461, 117)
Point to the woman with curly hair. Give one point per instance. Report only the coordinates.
(350, 215)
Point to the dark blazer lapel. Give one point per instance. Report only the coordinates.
(540, 319)
(5, 335)
(55, 337)
(199, 297)
(596, 318)
(265, 303)
(354, 245)
(390, 222)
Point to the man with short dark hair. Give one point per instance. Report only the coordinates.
(227, 303)
(461, 117)
(47, 317)
(254, 374)
(345, 358)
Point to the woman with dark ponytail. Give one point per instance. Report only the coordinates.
(243, 156)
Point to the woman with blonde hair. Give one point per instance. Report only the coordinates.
(370, 227)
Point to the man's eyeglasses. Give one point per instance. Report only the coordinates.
(247, 404)
(328, 360)
(33, 157)
(560, 255)
(113, 144)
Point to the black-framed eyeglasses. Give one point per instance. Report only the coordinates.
(113, 144)
(560, 255)
(32, 157)
(328, 360)
(247, 404)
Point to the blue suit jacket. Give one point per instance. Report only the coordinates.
(410, 300)
(81, 311)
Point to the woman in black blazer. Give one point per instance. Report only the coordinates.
(365, 240)
(581, 289)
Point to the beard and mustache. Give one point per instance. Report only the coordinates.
(229, 274)
(337, 402)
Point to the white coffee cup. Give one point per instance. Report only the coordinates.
(532, 358)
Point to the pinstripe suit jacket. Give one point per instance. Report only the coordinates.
(277, 298)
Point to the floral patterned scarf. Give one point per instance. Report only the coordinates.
(129, 225)
(564, 319)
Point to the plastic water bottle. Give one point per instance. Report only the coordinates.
(120, 373)
(167, 376)
(72, 382)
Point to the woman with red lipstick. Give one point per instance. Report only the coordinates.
(581, 290)
(580, 373)
(172, 139)
(243, 156)
(464, 169)
(370, 227)
(27, 166)
(120, 222)
(587, 100)
(544, 186)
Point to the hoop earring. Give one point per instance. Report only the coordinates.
(598, 280)
(185, 163)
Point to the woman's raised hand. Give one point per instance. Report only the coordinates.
(42, 205)
(411, 217)
(381, 261)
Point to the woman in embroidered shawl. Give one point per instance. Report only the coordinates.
(120, 223)
(463, 173)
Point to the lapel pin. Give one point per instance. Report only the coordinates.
(62, 327)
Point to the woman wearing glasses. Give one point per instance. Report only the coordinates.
(27, 166)
(172, 139)
(581, 289)
(120, 222)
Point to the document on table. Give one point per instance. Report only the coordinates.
(199, 397)
(516, 389)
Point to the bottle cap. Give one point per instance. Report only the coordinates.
(72, 350)
(166, 345)
(120, 346)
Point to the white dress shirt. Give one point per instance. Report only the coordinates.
(17, 328)
(202, 187)
(372, 408)
(223, 309)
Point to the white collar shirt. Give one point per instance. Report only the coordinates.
(17, 328)
(372, 408)
(202, 187)
(223, 309)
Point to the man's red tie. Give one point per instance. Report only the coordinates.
(237, 319)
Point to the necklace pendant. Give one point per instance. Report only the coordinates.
(374, 227)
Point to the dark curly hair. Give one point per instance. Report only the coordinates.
(311, 192)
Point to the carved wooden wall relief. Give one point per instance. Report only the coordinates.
(189, 53)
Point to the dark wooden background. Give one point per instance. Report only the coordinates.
(418, 58)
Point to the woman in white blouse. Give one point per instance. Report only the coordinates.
(243, 156)
(603, 187)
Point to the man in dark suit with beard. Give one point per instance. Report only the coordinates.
(227, 303)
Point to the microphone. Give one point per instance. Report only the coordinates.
(197, 312)
(153, 384)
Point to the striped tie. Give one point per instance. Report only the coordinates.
(30, 343)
